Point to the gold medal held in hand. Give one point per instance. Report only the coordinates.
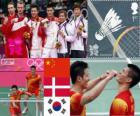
(58, 45)
(81, 28)
(26, 35)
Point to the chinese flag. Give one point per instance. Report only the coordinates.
(57, 67)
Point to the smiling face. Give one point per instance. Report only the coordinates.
(62, 17)
(123, 77)
(34, 12)
(11, 9)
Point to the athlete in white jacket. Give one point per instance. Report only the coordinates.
(36, 39)
(62, 36)
(51, 25)
(79, 28)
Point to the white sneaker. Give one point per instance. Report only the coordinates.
(41, 113)
(25, 110)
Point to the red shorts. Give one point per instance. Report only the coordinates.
(35, 92)
(14, 111)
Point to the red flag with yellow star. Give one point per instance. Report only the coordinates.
(59, 67)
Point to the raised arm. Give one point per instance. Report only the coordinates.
(96, 91)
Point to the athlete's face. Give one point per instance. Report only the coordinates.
(34, 12)
(33, 70)
(77, 12)
(11, 9)
(84, 80)
(50, 12)
(123, 77)
(62, 17)
(13, 91)
(20, 8)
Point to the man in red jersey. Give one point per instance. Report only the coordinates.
(85, 90)
(123, 104)
(16, 46)
(6, 29)
(34, 87)
(15, 97)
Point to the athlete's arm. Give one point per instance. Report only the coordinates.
(96, 91)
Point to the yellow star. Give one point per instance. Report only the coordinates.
(48, 62)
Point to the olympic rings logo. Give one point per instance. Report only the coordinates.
(7, 61)
(84, 12)
(39, 63)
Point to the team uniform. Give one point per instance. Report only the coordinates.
(78, 46)
(49, 50)
(13, 32)
(14, 111)
(37, 38)
(33, 84)
(76, 109)
(7, 35)
(63, 50)
(123, 104)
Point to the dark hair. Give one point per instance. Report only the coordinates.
(76, 5)
(50, 6)
(64, 12)
(35, 6)
(134, 74)
(21, 2)
(11, 3)
(14, 86)
(33, 66)
(77, 69)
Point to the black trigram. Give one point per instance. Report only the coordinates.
(63, 101)
(63, 111)
(50, 111)
(50, 101)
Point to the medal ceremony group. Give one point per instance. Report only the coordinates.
(50, 37)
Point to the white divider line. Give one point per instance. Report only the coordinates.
(21, 101)
(103, 113)
(36, 109)
(110, 60)
(57, 87)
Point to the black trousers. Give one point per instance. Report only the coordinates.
(60, 55)
(77, 54)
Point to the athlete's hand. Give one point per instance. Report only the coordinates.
(15, 106)
(14, 20)
(112, 74)
(41, 89)
(5, 20)
(79, 33)
(103, 76)
(61, 34)
(44, 21)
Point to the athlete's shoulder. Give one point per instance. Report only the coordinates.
(28, 75)
(118, 102)
(75, 95)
